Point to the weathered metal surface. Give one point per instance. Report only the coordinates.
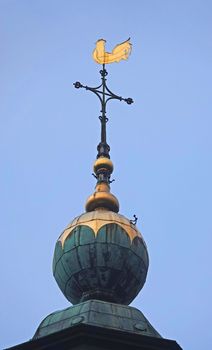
(106, 266)
(98, 313)
(98, 218)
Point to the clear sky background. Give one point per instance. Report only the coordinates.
(161, 147)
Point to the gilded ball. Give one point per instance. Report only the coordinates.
(103, 163)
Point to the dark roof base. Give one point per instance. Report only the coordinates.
(86, 337)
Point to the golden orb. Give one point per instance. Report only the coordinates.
(102, 198)
(103, 163)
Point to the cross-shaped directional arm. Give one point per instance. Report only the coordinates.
(104, 94)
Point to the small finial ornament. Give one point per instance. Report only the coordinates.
(134, 221)
(102, 198)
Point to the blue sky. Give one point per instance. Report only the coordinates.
(161, 147)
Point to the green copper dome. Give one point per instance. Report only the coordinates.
(101, 255)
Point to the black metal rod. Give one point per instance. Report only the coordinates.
(103, 117)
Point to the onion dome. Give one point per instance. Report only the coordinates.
(100, 255)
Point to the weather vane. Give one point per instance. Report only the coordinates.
(120, 52)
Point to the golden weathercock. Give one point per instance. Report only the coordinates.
(120, 52)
